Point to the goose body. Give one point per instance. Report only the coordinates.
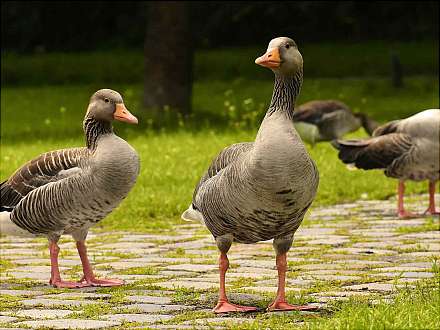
(261, 190)
(407, 149)
(264, 188)
(67, 191)
(326, 120)
(74, 198)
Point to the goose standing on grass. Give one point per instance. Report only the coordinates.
(407, 149)
(257, 191)
(67, 191)
(326, 120)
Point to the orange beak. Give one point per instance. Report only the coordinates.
(122, 114)
(271, 59)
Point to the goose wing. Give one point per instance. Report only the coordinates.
(388, 128)
(378, 152)
(314, 112)
(48, 167)
(223, 159)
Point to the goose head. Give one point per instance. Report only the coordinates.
(282, 57)
(107, 105)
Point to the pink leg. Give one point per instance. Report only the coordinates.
(55, 277)
(431, 208)
(89, 278)
(403, 214)
(223, 305)
(280, 302)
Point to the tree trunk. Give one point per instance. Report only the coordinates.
(168, 57)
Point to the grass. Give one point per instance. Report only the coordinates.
(38, 119)
(321, 60)
(410, 309)
(429, 225)
(175, 151)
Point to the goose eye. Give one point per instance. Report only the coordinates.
(106, 100)
(287, 46)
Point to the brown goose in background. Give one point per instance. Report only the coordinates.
(257, 191)
(326, 120)
(407, 149)
(67, 191)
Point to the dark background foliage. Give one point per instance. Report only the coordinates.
(29, 26)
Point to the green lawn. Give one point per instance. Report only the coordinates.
(411, 309)
(37, 119)
(331, 59)
(175, 152)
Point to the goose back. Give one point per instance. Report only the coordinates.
(68, 203)
(405, 149)
(333, 119)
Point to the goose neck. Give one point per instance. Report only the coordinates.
(286, 90)
(94, 129)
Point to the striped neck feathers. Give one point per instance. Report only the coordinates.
(285, 91)
(93, 129)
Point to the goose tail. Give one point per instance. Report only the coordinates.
(7, 227)
(349, 151)
(191, 214)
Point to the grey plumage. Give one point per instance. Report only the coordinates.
(260, 190)
(326, 120)
(405, 149)
(256, 191)
(67, 191)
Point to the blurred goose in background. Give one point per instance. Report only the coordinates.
(69, 190)
(257, 191)
(407, 149)
(326, 120)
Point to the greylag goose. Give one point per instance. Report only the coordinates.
(326, 120)
(69, 190)
(406, 149)
(257, 191)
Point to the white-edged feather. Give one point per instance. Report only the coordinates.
(192, 215)
(7, 227)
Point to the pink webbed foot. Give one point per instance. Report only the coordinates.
(227, 307)
(406, 215)
(101, 282)
(431, 211)
(284, 306)
(66, 284)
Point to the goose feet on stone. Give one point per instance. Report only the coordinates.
(58, 283)
(406, 214)
(431, 211)
(280, 306)
(227, 307)
(100, 282)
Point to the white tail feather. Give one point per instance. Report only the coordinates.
(192, 215)
(7, 227)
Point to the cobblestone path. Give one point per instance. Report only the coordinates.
(358, 249)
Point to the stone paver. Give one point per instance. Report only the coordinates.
(54, 302)
(142, 318)
(43, 313)
(156, 308)
(150, 299)
(356, 249)
(7, 319)
(383, 287)
(22, 293)
(70, 324)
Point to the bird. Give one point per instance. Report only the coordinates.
(406, 149)
(261, 190)
(327, 120)
(67, 191)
